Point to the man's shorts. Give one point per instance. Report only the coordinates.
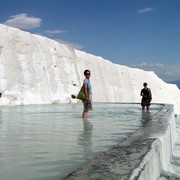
(146, 102)
(88, 104)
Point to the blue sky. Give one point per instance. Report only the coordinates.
(137, 33)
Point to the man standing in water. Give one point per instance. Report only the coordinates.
(146, 97)
(87, 103)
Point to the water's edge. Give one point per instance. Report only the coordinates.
(145, 155)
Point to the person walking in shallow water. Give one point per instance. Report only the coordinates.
(146, 97)
(87, 103)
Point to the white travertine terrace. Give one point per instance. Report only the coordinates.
(38, 70)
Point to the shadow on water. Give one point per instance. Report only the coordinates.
(51, 141)
(85, 140)
(146, 116)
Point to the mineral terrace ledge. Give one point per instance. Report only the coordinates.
(140, 156)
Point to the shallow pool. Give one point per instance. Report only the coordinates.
(47, 142)
(178, 120)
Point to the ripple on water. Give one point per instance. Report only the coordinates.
(49, 141)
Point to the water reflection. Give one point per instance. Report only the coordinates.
(50, 141)
(0, 118)
(145, 117)
(85, 140)
(178, 120)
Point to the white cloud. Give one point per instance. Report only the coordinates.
(23, 21)
(159, 65)
(165, 72)
(145, 10)
(56, 31)
(151, 65)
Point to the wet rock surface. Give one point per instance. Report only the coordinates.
(168, 177)
(117, 163)
(120, 161)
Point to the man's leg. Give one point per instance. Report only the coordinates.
(85, 110)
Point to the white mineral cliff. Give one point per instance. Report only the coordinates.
(36, 70)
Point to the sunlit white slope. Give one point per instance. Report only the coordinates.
(117, 83)
(35, 69)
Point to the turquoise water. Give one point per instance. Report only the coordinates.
(47, 142)
(178, 120)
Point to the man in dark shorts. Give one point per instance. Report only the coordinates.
(87, 103)
(146, 97)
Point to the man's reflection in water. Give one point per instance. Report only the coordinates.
(85, 140)
(145, 117)
(1, 118)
